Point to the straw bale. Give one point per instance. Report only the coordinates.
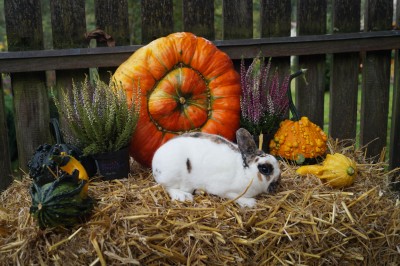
(135, 223)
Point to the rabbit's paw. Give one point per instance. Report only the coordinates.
(246, 202)
(179, 195)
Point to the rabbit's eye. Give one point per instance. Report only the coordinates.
(265, 169)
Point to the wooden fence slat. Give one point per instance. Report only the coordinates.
(23, 25)
(157, 19)
(275, 16)
(237, 19)
(394, 150)
(5, 160)
(68, 29)
(24, 32)
(198, 18)
(311, 19)
(112, 17)
(68, 23)
(344, 73)
(376, 81)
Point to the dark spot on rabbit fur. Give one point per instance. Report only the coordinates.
(188, 165)
(253, 158)
(193, 134)
(214, 138)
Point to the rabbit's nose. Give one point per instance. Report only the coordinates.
(274, 184)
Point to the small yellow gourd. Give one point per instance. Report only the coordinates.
(337, 170)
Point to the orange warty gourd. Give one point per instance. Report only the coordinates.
(186, 84)
(298, 139)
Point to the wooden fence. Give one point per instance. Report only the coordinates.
(349, 47)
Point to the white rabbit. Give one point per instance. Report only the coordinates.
(215, 165)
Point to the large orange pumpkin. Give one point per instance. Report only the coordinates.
(186, 84)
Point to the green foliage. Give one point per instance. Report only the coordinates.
(98, 116)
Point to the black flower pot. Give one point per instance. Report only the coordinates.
(113, 165)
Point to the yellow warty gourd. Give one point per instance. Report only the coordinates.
(337, 170)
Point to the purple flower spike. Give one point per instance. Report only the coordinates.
(264, 101)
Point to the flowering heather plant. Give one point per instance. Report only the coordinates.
(98, 116)
(264, 102)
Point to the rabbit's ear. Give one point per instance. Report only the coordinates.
(245, 142)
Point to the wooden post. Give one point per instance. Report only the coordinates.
(198, 18)
(5, 160)
(344, 73)
(24, 32)
(394, 152)
(376, 81)
(237, 19)
(156, 19)
(68, 27)
(112, 17)
(311, 20)
(276, 22)
(275, 18)
(68, 24)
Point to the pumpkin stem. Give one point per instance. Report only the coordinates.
(55, 129)
(292, 107)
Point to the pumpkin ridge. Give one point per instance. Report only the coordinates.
(165, 131)
(192, 103)
(209, 79)
(161, 63)
(75, 191)
(67, 212)
(185, 113)
(45, 219)
(178, 65)
(48, 190)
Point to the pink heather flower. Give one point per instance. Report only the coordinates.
(262, 94)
